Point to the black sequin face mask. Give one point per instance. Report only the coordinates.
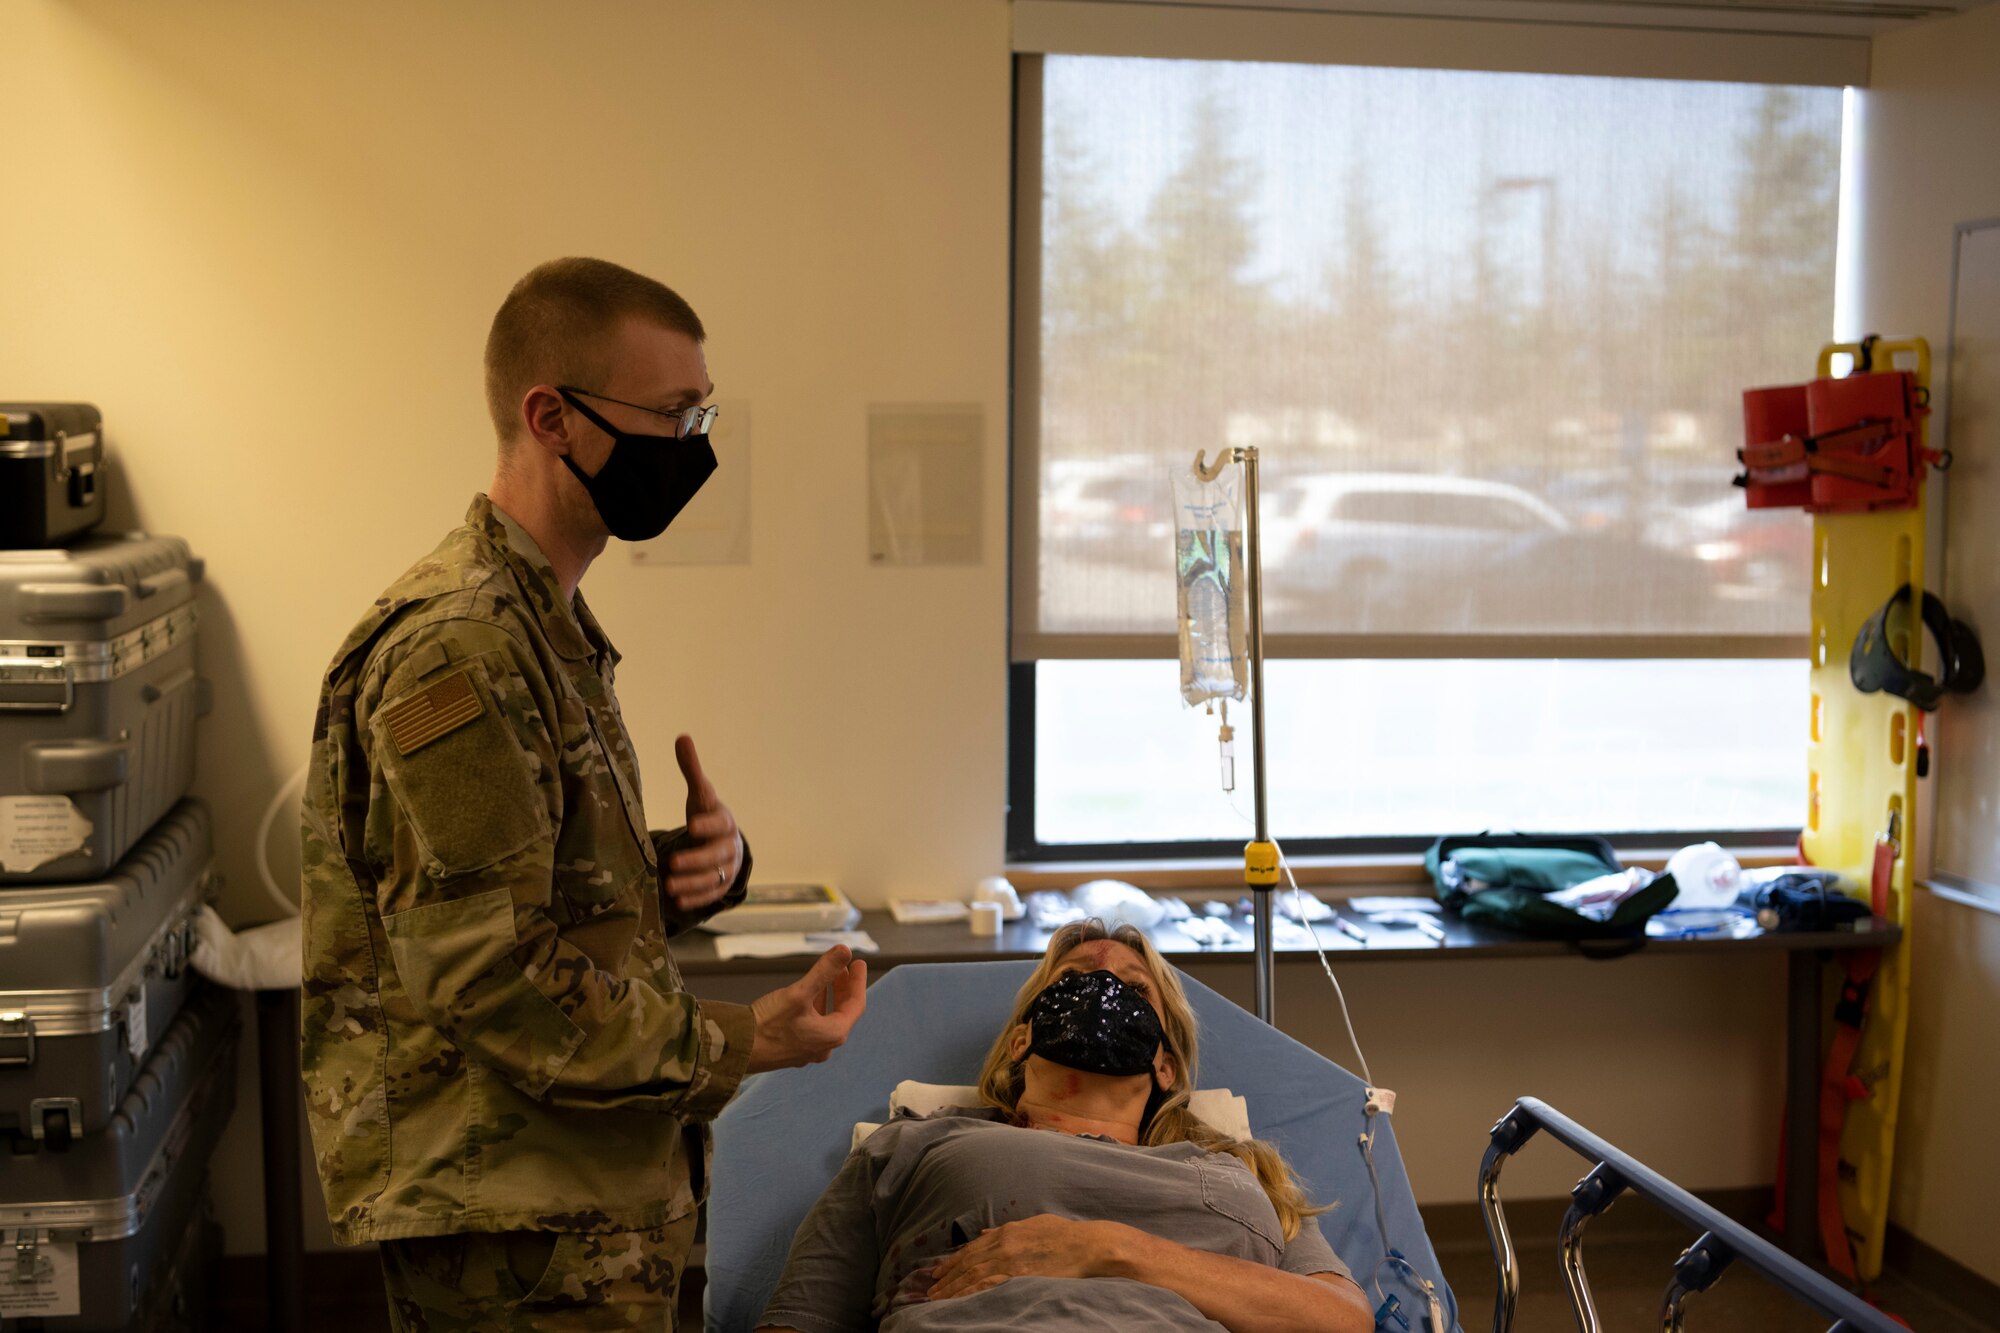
(1094, 1022)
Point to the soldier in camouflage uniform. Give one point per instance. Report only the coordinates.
(509, 1087)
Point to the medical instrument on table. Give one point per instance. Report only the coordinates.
(1696, 923)
(1349, 929)
(1416, 921)
(786, 907)
(1368, 905)
(788, 943)
(927, 911)
(1209, 932)
(1303, 908)
(1049, 910)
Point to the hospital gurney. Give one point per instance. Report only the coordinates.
(787, 1132)
(1720, 1241)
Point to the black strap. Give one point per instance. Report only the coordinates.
(1603, 951)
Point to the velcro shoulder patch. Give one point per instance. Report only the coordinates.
(438, 711)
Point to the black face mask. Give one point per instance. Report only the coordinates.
(1094, 1022)
(646, 480)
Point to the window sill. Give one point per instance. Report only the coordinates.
(1354, 873)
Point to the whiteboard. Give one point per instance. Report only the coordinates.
(1968, 725)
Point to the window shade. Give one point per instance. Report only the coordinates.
(1488, 330)
(1620, 39)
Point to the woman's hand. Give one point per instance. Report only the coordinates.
(1242, 1296)
(1040, 1246)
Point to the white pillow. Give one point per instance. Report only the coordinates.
(1217, 1108)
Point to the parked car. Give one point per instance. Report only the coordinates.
(1117, 509)
(1751, 555)
(1342, 530)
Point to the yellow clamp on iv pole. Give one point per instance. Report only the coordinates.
(1260, 857)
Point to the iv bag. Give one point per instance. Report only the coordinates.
(1209, 585)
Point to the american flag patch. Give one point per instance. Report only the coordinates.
(444, 707)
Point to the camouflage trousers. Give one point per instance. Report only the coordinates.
(485, 1282)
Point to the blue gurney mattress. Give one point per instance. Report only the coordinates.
(786, 1134)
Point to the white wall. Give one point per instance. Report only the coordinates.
(1929, 150)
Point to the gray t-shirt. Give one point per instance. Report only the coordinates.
(918, 1189)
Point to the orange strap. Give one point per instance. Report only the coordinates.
(1837, 1088)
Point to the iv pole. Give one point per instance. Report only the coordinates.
(1260, 857)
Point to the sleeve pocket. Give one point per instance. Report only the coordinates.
(456, 961)
(469, 792)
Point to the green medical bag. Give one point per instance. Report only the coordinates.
(1500, 879)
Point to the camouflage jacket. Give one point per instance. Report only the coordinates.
(495, 1034)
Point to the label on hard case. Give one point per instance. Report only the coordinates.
(136, 1038)
(35, 830)
(39, 1283)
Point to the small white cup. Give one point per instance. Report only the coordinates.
(985, 919)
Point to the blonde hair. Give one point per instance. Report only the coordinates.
(1002, 1078)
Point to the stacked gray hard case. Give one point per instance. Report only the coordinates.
(51, 472)
(98, 700)
(117, 1063)
(94, 1239)
(90, 976)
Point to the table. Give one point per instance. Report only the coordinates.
(1806, 953)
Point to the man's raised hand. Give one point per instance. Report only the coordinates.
(701, 869)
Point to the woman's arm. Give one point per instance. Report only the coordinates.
(828, 1284)
(1242, 1296)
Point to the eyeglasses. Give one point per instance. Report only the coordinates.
(686, 420)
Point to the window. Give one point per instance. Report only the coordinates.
(1489, 333)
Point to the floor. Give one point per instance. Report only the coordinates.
(1626, 1273)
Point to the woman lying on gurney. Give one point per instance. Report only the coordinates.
(1123, 1212)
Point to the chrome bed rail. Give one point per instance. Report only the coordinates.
(1720, 1241)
